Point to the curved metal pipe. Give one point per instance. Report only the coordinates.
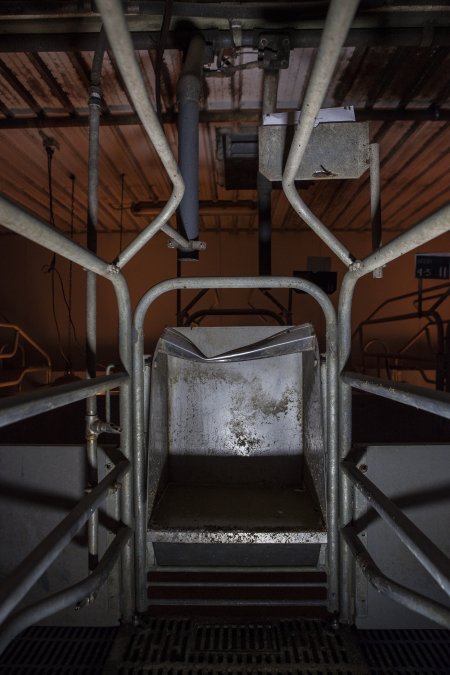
(338, 21)
(83, 590)
(123, 50)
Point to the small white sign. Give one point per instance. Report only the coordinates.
(346, 114)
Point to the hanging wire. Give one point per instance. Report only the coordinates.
(122, 192)
(160, 55)
(49, 145)
(69, 316)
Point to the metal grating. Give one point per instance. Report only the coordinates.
(200, 647)
(51, 650)
(406, 652)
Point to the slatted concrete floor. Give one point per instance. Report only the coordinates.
(208, 647)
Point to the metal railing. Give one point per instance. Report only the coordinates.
(9, 354)
(337, 23)
(438, 358)
(331, 410)
(19, 407)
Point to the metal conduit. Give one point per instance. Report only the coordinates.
(123, 51)
(332, 407)
(20, 221)
(337, 24)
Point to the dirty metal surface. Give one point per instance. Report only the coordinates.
(201, 647)
(335, 151)
(249, 514)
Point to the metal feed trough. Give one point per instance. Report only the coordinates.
(236, 447)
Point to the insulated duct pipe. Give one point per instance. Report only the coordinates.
(338, 21)
(189, 89)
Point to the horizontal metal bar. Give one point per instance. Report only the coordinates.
(404, 596)
(427, 229)
(15, 586)
(436, 402)
(432, 114)
(22, 406)
(72, 596)
(428, 554)
(16, 219)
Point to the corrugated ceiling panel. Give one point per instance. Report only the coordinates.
(66, 75)
(20, 65)
(291, 86)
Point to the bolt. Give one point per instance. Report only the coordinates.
(263, 42)
(363, 468)
(355, 266)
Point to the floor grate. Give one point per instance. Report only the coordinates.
(200, 647)
(406, 652)
(51, 650)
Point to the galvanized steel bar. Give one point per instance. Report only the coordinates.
(94, 104)
(122, 48)
(426, 230)
(375, 202)
(337, 24)
(332, 429)
(437, 402)
(22, 406)
(19, 582)
(427, 553)
(24, 223)
(72, 596)
(20, 221)
(345, 442)
(404, 596)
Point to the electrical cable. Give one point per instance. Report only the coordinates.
(122, 177)
(160, 55)
(49, 146)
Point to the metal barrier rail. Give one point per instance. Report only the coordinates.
(404, 596)
(338, 20)
(331, 425)
(19, 582)
(437, 402)
(84, 591)
(22, 406)
(419, 397)
(26, 370)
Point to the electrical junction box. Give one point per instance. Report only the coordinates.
(433, 265)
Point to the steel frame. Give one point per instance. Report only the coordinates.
(132, 470)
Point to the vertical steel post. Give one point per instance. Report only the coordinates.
(95, 97)
(375, 202)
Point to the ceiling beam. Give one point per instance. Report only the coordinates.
(251, 117)
(63, 36)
